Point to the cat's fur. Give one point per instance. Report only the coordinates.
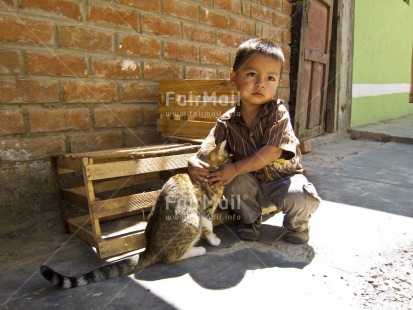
(180, 216)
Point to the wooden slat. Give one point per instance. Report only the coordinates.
(125, 205)
(138, 166)
(77, 227)
(56, 178)
(120, 245)
(203, 112)
(316, 56)
(196, 86)
(192, 140)
(190, 129)
(127, 152)
(113, 184)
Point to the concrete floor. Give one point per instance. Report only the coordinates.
(367, 187)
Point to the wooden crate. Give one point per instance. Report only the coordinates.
(102, 174)
(188, 109)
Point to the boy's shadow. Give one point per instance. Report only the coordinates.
(225, 266)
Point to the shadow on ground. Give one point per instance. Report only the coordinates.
(225, 266)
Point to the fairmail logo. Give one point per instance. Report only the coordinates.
(205, 99)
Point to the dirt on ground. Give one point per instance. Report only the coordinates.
(389, 286)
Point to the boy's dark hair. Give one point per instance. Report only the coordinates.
(257, 46)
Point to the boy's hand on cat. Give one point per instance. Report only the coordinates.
(198, 170)
(224, 175)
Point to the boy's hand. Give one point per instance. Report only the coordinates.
(198, 170)
(224, 175)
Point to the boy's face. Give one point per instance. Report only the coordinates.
(257, 79)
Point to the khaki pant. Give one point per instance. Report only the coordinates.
(294, 195)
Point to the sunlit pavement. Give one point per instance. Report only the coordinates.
(367, 211)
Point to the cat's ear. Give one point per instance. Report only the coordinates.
(222, 146)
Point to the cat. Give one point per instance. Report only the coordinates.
(181, 215)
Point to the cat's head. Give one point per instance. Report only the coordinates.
(214, 155)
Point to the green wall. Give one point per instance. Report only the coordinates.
(383, 38)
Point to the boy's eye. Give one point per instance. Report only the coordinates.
(251, 74)
(271, 78)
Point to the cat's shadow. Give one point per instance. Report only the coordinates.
(225, 266)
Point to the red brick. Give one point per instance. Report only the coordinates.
(207, 2)
(233, 6)
(133, 92)
(261, 13)
(140, 46)
(160, 26)
(180, 9)
(214, 57)
(283, 93)
(287, 7)
(26, 31)
(285, 81)
(287, 66)
(223, 74)
(271, 33)
(116, 68)
(150, 114)
(200, 73)
(212, 18)
(246, 7)
(8, 2)
(89, 92)
(52, 64)
(65, 8)
(51, 120)
(32, 148)
(109, 15)
(274, 4)
(242, 25)
(287, 51)
(281, 20)
(28, 91)
(96, 141)
(142, 137)
(145, 5)
(9, 62)
(180, 51)
(117, 117)
(286, 36)
(84, 39)
(194, 33)
(161, 71)
(11, 122)
(229, 39)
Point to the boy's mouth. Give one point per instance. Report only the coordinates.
(258, 94)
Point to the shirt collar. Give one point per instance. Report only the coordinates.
(265, 109)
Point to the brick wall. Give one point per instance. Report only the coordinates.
(80, 75)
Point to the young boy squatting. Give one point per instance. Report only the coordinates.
(267, 162)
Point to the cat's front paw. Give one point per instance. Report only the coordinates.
(214, 240)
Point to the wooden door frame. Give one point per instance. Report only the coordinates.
(341, 68)
(339, 93)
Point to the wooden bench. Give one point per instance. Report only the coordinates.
(93, 181)
(188, 109)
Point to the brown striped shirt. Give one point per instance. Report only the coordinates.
(272, 126)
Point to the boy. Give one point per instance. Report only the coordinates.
(267, 161)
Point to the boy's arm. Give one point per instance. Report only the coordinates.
(258, 160)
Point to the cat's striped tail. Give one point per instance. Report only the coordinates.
(112, 270)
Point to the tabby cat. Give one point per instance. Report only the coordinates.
(180, 216)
